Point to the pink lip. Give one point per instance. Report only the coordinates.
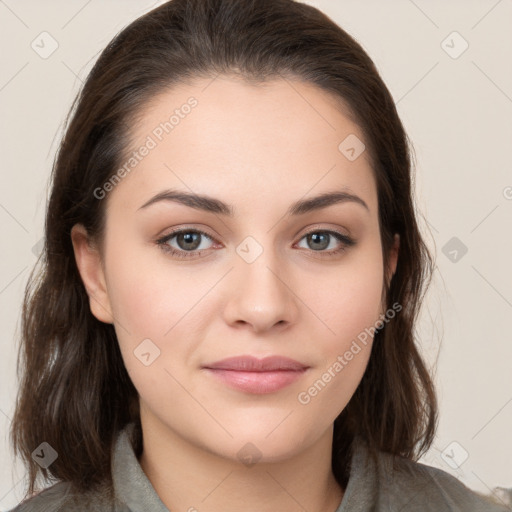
(259, 376)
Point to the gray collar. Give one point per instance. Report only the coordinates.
(132, 486)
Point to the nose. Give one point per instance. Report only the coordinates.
(260, 295)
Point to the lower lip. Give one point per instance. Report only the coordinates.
(258, 382)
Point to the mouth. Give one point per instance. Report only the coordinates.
(257, 376)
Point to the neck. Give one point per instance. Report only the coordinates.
(187, 477)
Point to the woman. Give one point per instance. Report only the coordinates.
(186, 346)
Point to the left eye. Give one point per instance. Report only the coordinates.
(189, 242)
(322, 240)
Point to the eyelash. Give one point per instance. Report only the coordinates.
(162, 242)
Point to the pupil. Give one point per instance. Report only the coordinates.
(315, 237)
(189, 239)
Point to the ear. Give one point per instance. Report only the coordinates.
(88, 260)
(391, 269)
(393, 257)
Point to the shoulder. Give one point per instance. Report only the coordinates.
(61, 498)
(53, 498)
(419, 487)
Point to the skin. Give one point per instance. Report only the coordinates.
(259, 149)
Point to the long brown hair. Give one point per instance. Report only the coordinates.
(75, 392)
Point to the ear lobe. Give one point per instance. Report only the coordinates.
(88, 261)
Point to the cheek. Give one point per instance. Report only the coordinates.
(349, 312)
(157, 300)
(146, 293)
(348, 299)
(150, 308)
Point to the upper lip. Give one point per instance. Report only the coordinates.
(253, 364)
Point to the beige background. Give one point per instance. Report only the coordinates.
(457, 112)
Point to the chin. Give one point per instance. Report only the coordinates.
(266, 444)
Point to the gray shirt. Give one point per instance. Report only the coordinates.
(409, 487)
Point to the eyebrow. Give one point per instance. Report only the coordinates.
(216, 206)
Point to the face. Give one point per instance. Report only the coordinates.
(187, 284)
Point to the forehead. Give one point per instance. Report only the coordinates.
(224, 136)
